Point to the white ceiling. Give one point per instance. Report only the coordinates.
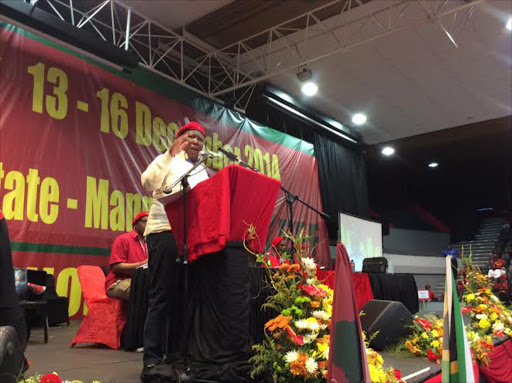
(411, 82)
(174, 14)
(416, 81)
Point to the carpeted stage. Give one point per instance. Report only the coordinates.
(88, 363)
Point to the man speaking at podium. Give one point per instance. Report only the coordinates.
(164, 171)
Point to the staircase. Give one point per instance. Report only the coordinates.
(483, 243)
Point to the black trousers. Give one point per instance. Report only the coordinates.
(163, 307)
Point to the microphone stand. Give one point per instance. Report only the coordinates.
(290, 197)
(168, 190)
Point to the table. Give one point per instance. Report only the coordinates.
(389, 287)
(133, 333)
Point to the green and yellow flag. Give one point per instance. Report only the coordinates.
(456, 362)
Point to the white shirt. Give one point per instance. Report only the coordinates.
(164, 171)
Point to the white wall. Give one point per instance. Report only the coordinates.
(415, 264)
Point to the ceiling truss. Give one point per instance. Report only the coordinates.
(229, 75)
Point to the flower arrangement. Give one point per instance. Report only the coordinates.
(489, 319)
(427, 338)
(296, 348)
(376, 366)
(48, 378)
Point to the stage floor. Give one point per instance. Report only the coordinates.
(88, 363)
(85, 363)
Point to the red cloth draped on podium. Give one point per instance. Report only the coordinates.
(360, 281)
(220, 209)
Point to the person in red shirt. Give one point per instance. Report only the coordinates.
(129, 251)
(274, 257)
(431, 295)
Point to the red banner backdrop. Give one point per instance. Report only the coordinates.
(75, 137)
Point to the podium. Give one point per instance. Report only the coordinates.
(219, 212)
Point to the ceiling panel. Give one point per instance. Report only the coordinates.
(417, 81)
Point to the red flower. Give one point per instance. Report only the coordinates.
(397, 373)
(424, 323)
(499, 333)
(50, 378)
(432, 356)
(466, 309)
(313, 290)
(297, 339)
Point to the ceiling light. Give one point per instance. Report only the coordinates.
(305, 76)
(309, 88)
(359, 119)
(433, 165)
(509, 24)
(388, 151)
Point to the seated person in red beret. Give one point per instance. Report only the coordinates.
(129, 251)
(274, 258)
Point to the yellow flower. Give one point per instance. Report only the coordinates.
(481, 308)
(435, 333)
(484, 324)
(424, 335)
(434, 343)
(470, 297)
(494, 316)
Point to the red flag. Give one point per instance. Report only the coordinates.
(347, 354)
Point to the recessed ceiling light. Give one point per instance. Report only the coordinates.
(509, 24)
(388, 151)
(433, 165)
(309, 88)
(359, 119)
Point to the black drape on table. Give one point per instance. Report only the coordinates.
(133, 332)
(396, 287)
(219, 346)
(260, 289)
(342, 174)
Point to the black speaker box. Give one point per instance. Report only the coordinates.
(12, 360)
(377, 265)
(391, 319)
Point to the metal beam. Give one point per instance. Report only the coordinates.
(230, 73)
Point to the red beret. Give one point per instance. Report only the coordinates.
(191, 126)
(276, 241)
(139, 216)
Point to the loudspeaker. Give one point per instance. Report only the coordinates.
(12, 360)
(391, 319)
(376, 265)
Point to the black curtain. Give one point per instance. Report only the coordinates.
(342, 174)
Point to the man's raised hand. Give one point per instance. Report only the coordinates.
(179, 144)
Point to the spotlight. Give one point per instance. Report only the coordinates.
(309, 88)
(388, 151)
(433, 165)
(305, 76)
(359, 119)
(509, 24)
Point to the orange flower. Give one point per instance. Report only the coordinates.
(315, 304)
(280, 322)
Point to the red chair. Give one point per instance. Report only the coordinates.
(106, 317)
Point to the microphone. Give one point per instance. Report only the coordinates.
(229, 155)
(208, 154)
